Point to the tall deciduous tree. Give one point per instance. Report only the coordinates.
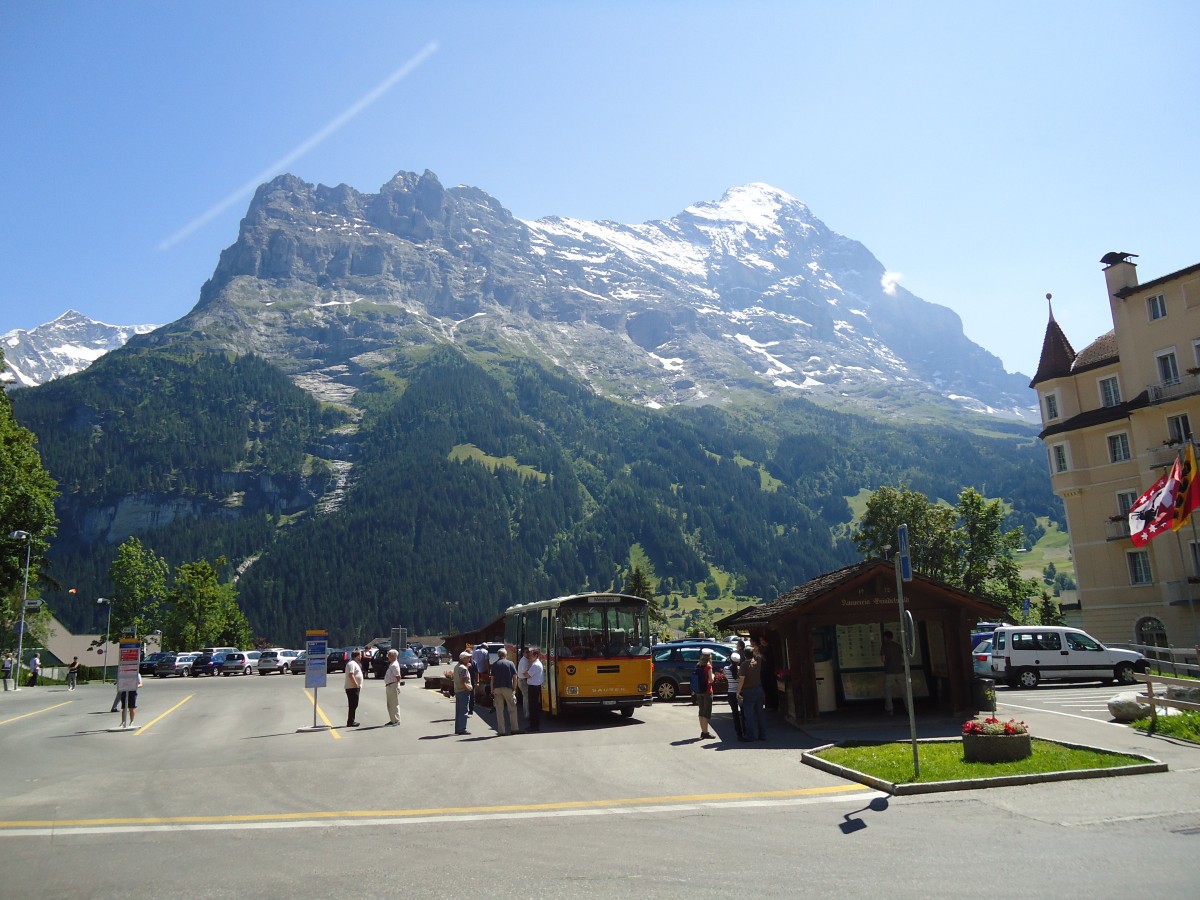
(965, 546)
(204, 609)
(139, 578)
(27, 494)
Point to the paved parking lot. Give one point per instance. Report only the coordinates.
(217, 794)
(1089, 701)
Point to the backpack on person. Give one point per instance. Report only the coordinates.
(699, 679)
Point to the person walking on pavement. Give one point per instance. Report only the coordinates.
(8, 669)
(504, 675)
(704, 693)
(354, 680)
(35, 668)
(750, 693)
(72, 673)
(533, 681)
(463, 687)
(891, 654)
(732, 679)
(392, 681)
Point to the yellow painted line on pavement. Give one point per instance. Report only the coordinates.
(324, 718)
(344, 815)
(164, 715)
(36, 712)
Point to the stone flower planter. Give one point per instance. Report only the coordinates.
(996, 747)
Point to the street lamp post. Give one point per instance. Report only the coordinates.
(107, 635)
(28, 539)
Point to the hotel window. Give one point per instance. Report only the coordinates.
(1051, 401)
(1118, 447)
(1058, 459)
(1139, 567)
(1156, 307)
(1110, 391)
(1179, 428)
(1168, 368)
(1125, 500)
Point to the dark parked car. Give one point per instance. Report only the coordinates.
(208, 663)
(411, 665)
(675, 661)
(299, 663)
(149, 665)
(336, 660)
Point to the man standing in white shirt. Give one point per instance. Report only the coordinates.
(533, 681)
(354, 680)
(391, 685)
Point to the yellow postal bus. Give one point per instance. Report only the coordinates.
(595, 647)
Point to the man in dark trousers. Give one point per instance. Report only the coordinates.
(533, 683)
(354, 680)
(892, 656)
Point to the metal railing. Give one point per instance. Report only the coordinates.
(1185, 385)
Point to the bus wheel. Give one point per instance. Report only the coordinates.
(626, 712)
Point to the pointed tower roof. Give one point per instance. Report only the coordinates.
(1057, 353)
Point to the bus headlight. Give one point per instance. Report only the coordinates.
(643, 688)
(572, 691)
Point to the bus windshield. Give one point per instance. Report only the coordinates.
(604, 631)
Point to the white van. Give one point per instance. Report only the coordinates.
(1025, 655)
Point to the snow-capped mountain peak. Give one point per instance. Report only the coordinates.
(69, 344)
(757, 205)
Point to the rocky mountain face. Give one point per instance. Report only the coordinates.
(69, 344)
(751, 294)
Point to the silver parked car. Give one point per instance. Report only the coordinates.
(175, 664)
(275, 661)
(237, 663)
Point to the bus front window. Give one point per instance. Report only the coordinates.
(627, 631)
(582, 632)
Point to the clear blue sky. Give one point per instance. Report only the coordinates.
(988, 152)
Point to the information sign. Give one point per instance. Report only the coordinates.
(127, 670)
(905, 560)
(317, 646)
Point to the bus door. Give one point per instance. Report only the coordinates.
(550, 644)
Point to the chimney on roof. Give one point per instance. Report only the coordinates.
(1120, 272)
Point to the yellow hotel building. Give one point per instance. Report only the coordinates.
(1114, 417)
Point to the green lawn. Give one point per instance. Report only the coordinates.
(943, 761)
(1185, 725)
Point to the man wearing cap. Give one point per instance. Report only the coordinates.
(704, 695)
(463, 686)
(392, 682)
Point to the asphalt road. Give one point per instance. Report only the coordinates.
(217, 794)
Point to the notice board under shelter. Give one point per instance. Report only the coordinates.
(826, 638)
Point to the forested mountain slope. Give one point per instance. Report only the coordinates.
(477, 482)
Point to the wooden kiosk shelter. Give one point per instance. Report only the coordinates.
(825, 638)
